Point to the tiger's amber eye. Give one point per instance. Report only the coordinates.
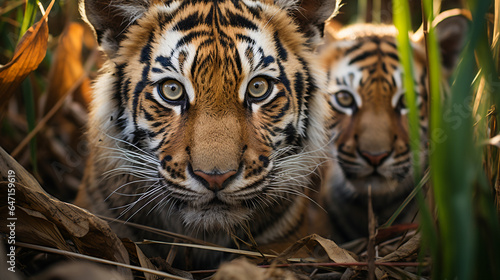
(258, 87)
(344, 99)
(171, 90)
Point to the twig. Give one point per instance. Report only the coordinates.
(372, 234)
(212, 248)
(354, 264)
(157, 231)
(99, 260)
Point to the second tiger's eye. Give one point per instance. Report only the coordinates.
(344, 99)
(402, 102)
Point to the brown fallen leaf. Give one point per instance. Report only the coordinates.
(138, 257)
(34, 227)
(89, 234)
(79, 271)
(333, 251)
(407, 249)
(67, 65)
(242, 269)
(28, 55)
(5, 264)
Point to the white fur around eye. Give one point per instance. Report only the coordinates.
(256, 106)
(348, 111)
(400, 94)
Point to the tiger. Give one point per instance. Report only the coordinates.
(207, 118)
(369, 151)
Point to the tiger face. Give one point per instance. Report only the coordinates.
(207, 117)
(368, 120)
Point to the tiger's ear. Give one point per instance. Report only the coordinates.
(311, 15)
(111, 18)
(451, 28)
(332, 27)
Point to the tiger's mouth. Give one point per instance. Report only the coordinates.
(390, 170)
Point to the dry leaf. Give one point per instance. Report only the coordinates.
(5, 265)
(495, 141)
(334, 252)
(79, 271)
(91, 235)
(33, 227)
(67, 66)
(242, 269)
(407, 249)
(138, 256)
(28, 55)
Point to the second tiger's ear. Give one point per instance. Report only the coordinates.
(451, 29)
(332, 27)
(311, 15)
(111, 18)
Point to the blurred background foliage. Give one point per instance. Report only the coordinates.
(461, 228)
(56, 155)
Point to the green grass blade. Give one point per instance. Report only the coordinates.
(402, 20)
(488, 242)
(407, 200)
(430, 240)
(456, 166)
(29, 16)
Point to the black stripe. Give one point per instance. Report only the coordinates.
(392, 55)
(236, 58)
(353, 48)
(347, 161)
(299, 90)
(290, 133)
(188, 23)
(362, 56)
(245, 38)
(237, 20)
(165, 62)
(188, 38)
(145, 56)
(282, 53)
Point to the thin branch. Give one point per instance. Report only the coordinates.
(99, 260)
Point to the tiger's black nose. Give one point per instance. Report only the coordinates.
(215, 181)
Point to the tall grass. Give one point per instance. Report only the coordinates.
(30, 13)
(465, 243)
(402, 20)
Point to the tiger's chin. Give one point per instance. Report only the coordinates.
(215, 217)
(381, 186)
